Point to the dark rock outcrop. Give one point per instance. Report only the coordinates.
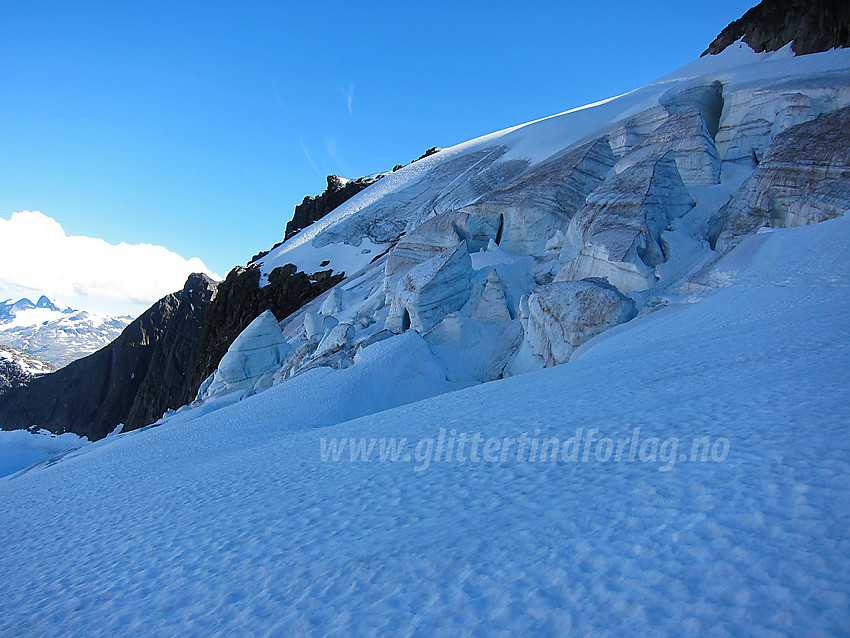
(428, 153)
(240, 300)
(314, 208)
(160, 359)
(133, 380)
(812, 25)
(18, 367)
(338, 192)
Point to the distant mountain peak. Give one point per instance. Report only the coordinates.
(53, 333)
(44, 302)
(19, 305)
(811, 25)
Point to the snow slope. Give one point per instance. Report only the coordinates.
(232, 522)
(20, 449)
(430, 182)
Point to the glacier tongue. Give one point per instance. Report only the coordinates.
(508, 252)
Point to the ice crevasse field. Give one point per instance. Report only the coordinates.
(234, 518)
(233, 521)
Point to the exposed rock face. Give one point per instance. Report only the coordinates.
(161, 359)
(617, 232)
(804, 178)
(18, 368)
(312, 209)
(133, 380)
(812, 25)
(563, 315)
(428, 153)
(240, 300)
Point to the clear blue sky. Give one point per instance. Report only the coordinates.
(199, 126)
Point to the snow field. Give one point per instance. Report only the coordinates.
(231, 522)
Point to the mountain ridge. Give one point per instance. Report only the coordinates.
(56, 334)
(810, 26)
(17, 368)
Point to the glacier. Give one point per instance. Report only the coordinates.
(228, 520)
(667, 267)
(643, 193)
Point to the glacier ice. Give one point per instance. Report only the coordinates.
(430, 290)
(563, 315)
(260, 347)
(627, 197)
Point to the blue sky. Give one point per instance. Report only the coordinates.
(199, 126)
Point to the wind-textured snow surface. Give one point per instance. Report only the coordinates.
(231, 522)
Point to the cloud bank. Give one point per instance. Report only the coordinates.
(37, 255)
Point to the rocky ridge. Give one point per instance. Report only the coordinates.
(17, 368)
(339, 190)
(810, 25)
(129, 382)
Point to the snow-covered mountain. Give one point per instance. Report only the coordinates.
(505, 254)
(17, 367)
(56, 334)
(499, 256)
(685, 473)
(581, 376)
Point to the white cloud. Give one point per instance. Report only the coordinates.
(307, 154)
(333, 151)
(349, 97)
(37, 255)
